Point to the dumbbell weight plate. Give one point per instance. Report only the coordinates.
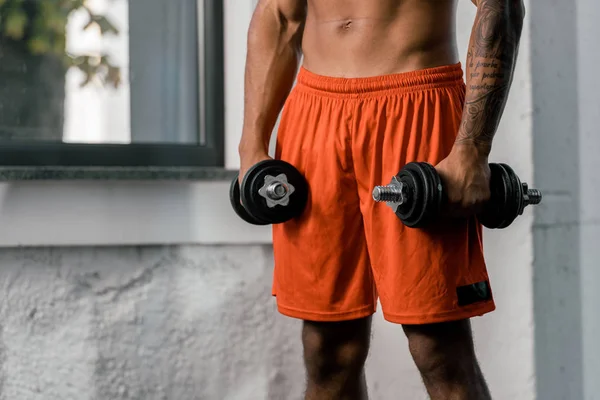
(492, 215)
(234, 198)
(423, 187)
(435, 193)
(257, 206)
(410, 211)
(515, 196)
(502, 208)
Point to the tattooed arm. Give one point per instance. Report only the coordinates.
(490, 64)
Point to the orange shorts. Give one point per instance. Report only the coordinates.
(347, 135)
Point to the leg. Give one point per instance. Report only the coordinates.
(445, 357)
(424, 277)
(334, 355)
(322, 268)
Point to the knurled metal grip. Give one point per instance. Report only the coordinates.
(276, 190)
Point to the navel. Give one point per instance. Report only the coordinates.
(346, 25)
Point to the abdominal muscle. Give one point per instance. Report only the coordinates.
(361, 38)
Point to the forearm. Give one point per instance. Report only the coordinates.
(272, 61)
(491, 60)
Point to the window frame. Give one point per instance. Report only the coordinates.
(211, 153)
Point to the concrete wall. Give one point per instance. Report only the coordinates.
(185, 322)
(143, 323)
(567, 229)
(588, 56)
(557, 284)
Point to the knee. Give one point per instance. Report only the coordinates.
(324, 357)
(331, 349)
(442, 352)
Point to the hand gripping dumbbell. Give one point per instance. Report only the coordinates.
(416, 195)
(272, 192)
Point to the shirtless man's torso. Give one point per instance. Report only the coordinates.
(368, 38)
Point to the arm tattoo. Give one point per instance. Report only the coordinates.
(490, 64)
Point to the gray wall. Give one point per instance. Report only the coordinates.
(567, 229)
(557, 272)
(143, 323)
(191, 322)
(588, 55)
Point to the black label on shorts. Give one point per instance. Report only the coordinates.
(473, 293)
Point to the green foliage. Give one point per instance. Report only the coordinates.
(40, 26)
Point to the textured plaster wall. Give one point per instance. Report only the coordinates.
(183, 323)
(143, 323)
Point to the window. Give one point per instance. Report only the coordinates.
(111, 83)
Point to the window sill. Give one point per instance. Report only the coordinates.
(52, 173)
(107, 209)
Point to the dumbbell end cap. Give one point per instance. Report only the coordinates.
(378, 193)
(388, 194)
(534, 197)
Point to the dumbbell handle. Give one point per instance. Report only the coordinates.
(393, 193)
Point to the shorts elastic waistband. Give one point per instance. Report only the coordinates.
(424, 79)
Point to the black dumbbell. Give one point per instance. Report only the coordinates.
(272, 192)
(416, 195)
